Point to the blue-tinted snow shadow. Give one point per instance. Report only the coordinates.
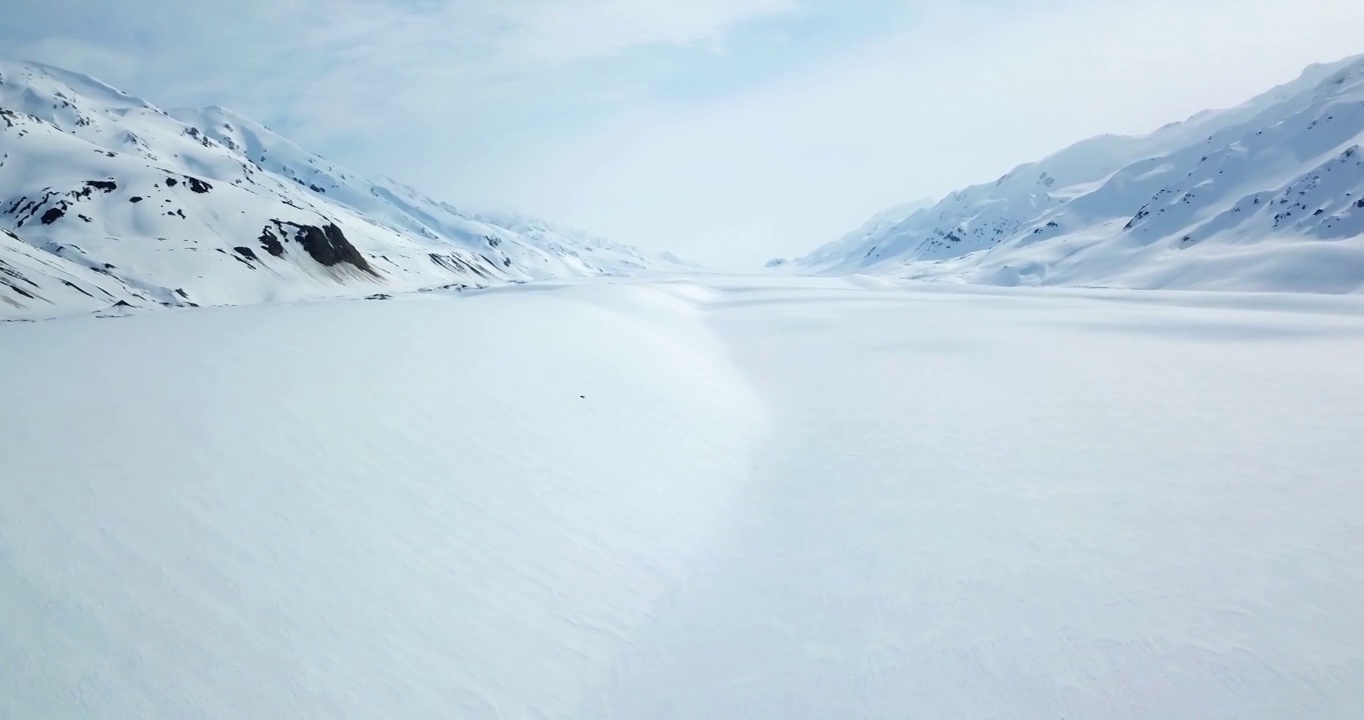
(1220, 330)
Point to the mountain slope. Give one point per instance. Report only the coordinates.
(1264, 196)
(877, 225)
(134, 204)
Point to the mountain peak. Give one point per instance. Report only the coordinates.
(1235, 198)
(106, 199)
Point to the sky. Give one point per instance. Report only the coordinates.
(726, 131)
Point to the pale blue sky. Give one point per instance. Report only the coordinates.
(725, 130)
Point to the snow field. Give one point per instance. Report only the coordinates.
(358, 509)
(779, 497)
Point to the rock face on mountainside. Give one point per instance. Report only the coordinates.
(105, 198)
(1265, 196)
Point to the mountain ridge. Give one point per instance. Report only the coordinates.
(117, 201)
(1182, 207)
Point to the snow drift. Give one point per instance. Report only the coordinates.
(720, 498)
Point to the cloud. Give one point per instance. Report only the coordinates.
(373, 38)
(556, 31)
(382, 78)
(967, 92)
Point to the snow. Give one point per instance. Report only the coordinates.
(1266, 196)
(174, 209)
(879, 223)
(694, 498)
(562, 483)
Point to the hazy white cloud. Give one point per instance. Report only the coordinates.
(569, 30)
(969, 91)
(278, 49)
(395, 83)
(559, 107)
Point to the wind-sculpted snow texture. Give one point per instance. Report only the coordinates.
(1265, 196)
(743, 498)
(105, 198)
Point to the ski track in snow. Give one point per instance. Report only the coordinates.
(709, 497)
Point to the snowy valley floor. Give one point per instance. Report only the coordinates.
(690, 498)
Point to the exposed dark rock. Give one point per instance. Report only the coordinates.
(135, 199)
(270, 242)
(77, 288)
(458, 287)
(172, 182)
(107, 186)
(20, 290)
(52, 215)
(326, 244)
(454, 263)
(329, 246)
(379, 296)
(197, 185)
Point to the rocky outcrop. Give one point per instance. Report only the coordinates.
(326, 244)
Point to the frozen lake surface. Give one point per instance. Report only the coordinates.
(689, 498)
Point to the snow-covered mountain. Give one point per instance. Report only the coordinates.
(1268, 195)
(107, 199)
(879, 223)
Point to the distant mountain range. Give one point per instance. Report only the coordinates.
(1268, 195)
(107, 200)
